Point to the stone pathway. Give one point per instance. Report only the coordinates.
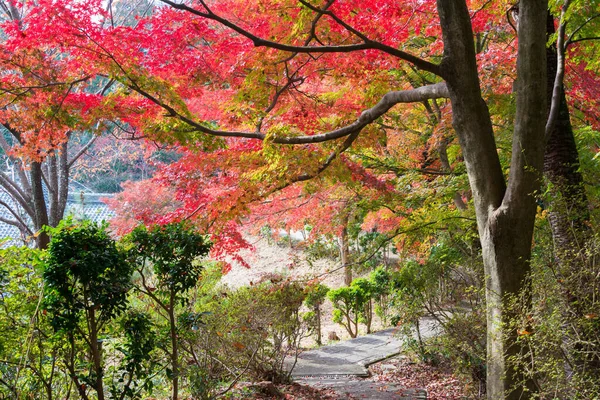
(340, 366)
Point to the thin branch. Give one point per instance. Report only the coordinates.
(82, 151)
(278, 93)
(484, 5)
(583, 39)
(260, 42)
(18, 222)
(575, 31)
(237, 378)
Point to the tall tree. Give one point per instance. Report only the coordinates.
(46, 124)
(232, 70)
(505, 209)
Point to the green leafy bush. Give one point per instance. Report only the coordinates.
(87, 281)
(250, 331)
(353, 304)
(381, 288)
(28, 347)
(316, 293)
(168, 262)
(85, 275)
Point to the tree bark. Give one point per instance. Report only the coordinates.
(174, 346)
(96, 351)
(505, 214)
(345, 252)
(39, 204)
(28, 190)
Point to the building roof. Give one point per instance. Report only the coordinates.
(81, 204)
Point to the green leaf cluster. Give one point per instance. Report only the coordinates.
(172, 251)
(84, 271)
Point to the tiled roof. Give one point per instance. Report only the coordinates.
(81, 204)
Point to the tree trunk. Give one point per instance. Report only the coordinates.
(39, 205)
(96, 353)
(568, 205)
(345, 252)
(174, 347)
(318, 317)
(505, 214)
(569, 217)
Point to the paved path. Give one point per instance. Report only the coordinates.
(339, 366)
(350, 357)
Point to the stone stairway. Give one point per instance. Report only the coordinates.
(341, 366)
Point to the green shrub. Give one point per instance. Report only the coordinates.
(316, 294)
(249, 332)
(87, 281)
(381, 287)
(353, 304)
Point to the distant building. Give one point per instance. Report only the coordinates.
(82, 203)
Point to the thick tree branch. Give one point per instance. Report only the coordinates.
(18, 221)
(16, 193)
(367, 117)
(260, 42)
(560, 72)
(528, 145)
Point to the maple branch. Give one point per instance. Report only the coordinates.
(16, 193)
(313, 25)
(20, 91)
(367, 44)
(82, 151)
(337, 19)
(390, 99)
(18, 222)
(484, 5)
(131, 133)
(570, 40)
(347, 143)
(583, 39)
(278, 93)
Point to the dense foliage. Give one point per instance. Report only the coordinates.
(435, 138)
